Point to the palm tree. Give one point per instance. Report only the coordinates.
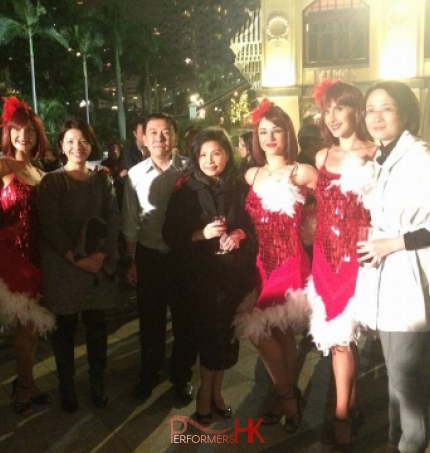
(52, 113)
(116, 27)
(27, 24)
(88, 41)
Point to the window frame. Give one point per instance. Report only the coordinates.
(323, 15)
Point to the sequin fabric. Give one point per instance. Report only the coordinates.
(338, 218)
(278, 234)
(18, 203)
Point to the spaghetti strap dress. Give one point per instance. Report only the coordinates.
(340, 213)
(20, 276)
(283, 266)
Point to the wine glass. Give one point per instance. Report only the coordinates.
(220, 250)
(365, 233)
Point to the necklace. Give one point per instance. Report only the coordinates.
(271, 172)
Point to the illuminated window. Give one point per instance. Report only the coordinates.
(427, 31)
(335, 33)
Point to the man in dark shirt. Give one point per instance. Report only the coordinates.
(135, 152)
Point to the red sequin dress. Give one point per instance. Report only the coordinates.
(282, 263)
(335, 266)
(20, 277)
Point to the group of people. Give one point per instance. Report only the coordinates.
(223, 249)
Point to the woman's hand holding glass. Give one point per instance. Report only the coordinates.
(232, 240)
(215, 229)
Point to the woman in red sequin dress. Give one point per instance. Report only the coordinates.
(23, 139)
(275, 201)
(345, 171)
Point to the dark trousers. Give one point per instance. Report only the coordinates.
(63, 345)
(158, 287)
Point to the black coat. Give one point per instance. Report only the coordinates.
(215, 284)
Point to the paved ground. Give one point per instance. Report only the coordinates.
(127, 426)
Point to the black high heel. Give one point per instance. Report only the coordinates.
(225, 412)
(340, 424)
(41, 398)
(329, 436)
(292, 423)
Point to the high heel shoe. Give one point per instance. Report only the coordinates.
(342, 429)
(41, 398)
(225, 412)
(292, 423)
(338, 428)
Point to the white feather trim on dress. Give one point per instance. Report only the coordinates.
(340, 331)
(280, 195)
(357, 176)
(24, 309)
(254, 323)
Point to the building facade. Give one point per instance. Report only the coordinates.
(287, 47)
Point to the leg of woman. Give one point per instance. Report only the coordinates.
(217, 398)
(344, 370)
(25, 347)
(63, 346)
(204, 395)
(288, 345)
(272, 355)
(216, 389)
(96, 338)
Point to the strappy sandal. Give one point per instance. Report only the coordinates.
(292, 423)
(40, 399)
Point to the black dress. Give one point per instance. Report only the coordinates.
(215, 285)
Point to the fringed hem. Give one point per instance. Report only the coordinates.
(20, 307)
(340, 331)
(254, 323)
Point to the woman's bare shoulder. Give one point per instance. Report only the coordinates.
(250, 175)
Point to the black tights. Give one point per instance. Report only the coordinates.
(96, 340)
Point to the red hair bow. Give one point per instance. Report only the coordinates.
(262, 108)
(11, 105)
(320, 89)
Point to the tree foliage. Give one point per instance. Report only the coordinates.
(26, 22)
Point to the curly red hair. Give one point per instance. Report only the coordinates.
(18, 114)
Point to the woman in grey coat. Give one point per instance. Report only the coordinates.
(79, 221)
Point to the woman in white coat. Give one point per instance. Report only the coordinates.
(394, 294)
